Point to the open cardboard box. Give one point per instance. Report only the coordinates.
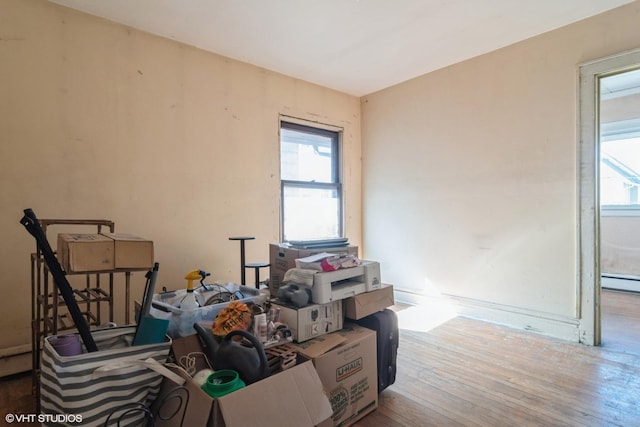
(346, 362)
(362, 305)
(291, 398)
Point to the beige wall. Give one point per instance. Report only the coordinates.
(620, 245)
(168, 141)
(478, 162)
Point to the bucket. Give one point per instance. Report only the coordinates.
(222, 382)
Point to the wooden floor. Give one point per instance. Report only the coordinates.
(469, 373)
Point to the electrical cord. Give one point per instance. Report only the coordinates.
(188, 362)
(223, 295)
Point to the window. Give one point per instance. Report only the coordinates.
(311, 189)
(620, 143)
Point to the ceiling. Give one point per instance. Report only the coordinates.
(354, 46)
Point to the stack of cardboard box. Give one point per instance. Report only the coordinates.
(83, 253)
(343, 353)
(334, 382)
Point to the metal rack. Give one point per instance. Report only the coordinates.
(48, 310)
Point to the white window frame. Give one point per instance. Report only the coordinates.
(611, 132)
(336, 172)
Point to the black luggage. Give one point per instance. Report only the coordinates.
(385, 323)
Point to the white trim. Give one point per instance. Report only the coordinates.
(588, 233)
(16, 360)
(614, 210)
(309, 122)
(588, 238)
(563, 327)
(623, 129)
(15, 350)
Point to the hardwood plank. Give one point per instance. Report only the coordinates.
(621, 321)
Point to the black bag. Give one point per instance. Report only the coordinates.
(385, 323)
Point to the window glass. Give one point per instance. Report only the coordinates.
(620, 172)
(305, 156)
(310, 213)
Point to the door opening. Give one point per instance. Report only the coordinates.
(619, 180)
(593, 133)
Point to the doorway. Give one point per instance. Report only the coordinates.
(619, 180)
(600, 82)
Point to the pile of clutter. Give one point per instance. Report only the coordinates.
(223, 315)
(236, 344)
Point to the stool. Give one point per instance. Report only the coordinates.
(256, 267)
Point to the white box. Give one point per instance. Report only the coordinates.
(313, 320)
(372, 278)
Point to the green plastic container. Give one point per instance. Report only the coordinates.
(222, 382)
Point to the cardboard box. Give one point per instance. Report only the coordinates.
(291, 398)
(80, 253)
(362, 305)
(282, 258)
(131, 251)
(311, 321)
(349, 373)
(318, 346)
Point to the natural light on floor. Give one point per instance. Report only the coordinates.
(427, 315)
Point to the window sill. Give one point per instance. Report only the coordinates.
(631, 211)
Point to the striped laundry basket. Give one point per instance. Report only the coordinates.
(90, 388)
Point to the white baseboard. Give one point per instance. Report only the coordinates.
(515, 317)
(15, 363)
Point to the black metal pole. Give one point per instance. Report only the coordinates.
(31, 223)
(242, 265)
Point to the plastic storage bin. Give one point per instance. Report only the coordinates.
(212, 299)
